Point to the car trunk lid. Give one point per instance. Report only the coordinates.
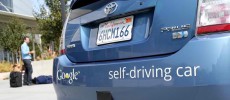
(158, 28)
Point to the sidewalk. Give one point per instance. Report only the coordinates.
(43, 67)
(4, 75)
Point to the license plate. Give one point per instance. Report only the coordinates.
(115, 31)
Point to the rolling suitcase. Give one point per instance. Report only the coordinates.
(15, 79)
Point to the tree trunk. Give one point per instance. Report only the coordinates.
(3, 55)
(8, 56)
(63, 12)
(12, 55)
(16, 56)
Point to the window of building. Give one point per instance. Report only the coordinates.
(6, 5)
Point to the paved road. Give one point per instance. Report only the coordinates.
(34, 92)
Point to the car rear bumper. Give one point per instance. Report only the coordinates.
(200, 70)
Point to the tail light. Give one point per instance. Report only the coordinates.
(62, 52)
(62, 39)
(213, 16)
(62, 44)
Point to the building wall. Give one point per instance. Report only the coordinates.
(24, 7)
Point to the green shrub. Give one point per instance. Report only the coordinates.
(5, 67)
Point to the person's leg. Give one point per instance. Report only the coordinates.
(30, 71)
(25, 80)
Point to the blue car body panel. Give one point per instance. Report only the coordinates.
(151, 66)
(212, 82)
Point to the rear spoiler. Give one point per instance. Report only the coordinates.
(81, 3)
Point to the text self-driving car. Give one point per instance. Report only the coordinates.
(145, 50)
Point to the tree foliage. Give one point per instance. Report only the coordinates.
(11, 35)
(50, 22)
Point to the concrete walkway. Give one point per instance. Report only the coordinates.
(44, 67)
(4, 75)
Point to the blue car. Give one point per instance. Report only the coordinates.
(145, 50)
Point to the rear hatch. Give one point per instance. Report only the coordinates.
(123, 29)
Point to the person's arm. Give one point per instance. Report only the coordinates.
(31, 52)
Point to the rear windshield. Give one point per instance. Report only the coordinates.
(80, 3)
(77, 13)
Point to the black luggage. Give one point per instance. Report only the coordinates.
(15, 79)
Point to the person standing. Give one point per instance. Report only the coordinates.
(26, 58)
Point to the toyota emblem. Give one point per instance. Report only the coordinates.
(110, 8)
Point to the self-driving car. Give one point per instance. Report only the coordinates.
(145, 50)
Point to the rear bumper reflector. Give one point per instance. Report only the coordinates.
(213, 28)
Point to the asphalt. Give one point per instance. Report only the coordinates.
(34, 92)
